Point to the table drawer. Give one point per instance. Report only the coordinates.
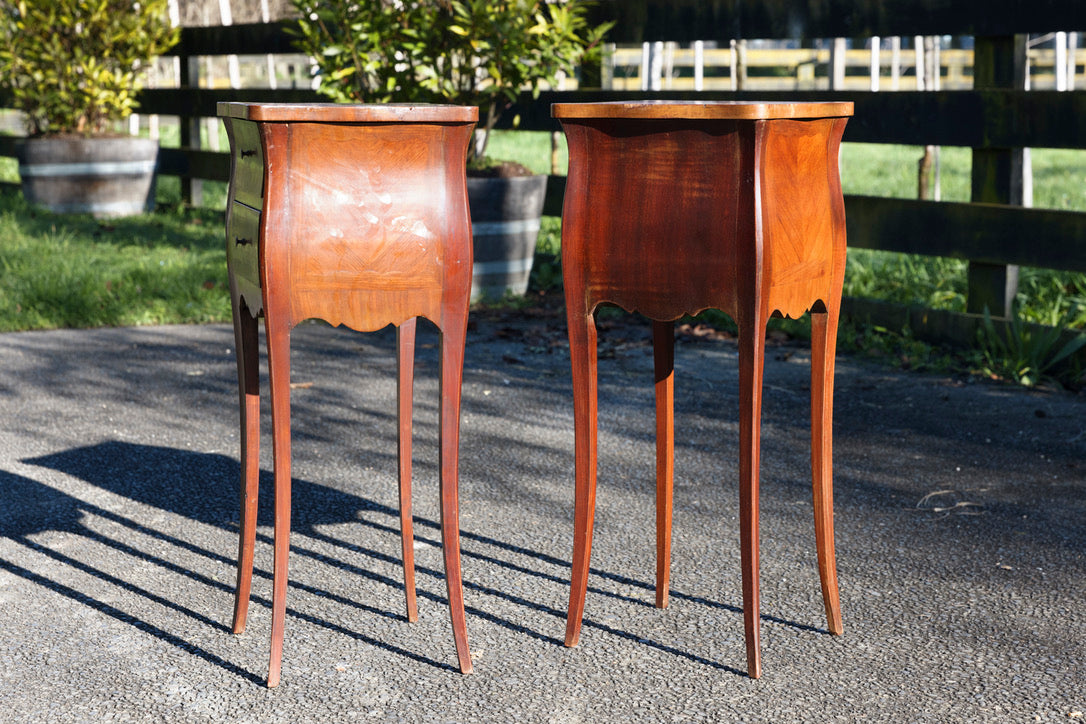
(248, 163)
(242, 243)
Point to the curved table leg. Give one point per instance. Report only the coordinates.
(278, 340)
(405, 372)
(751, 365)
(823, 349)
(663, 347)
(582, 352)
(246, 341)
(453, 338)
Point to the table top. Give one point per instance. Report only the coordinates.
(701, 110)
(348, 113)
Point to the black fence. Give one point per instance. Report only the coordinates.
(994, 120)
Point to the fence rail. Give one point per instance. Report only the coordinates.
(992, 121)
(771, 69)
(668, 66)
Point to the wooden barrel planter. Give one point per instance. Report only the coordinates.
(104, 177)
(505, 216)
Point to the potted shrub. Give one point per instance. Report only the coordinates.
(73, 67)
(467, 52)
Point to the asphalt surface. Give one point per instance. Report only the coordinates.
(960, 512)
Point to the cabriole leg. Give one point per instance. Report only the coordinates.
(663, 346)
(582, 352)
(823, 351)
(246, 341)
(452, 367)
(751, 365)
(278, 339)
(405, 372)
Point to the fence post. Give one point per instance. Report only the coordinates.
(699, 65)
(876, 62)
(646, 63)
(739, 64)
(1072, 47)
(265, 17)
(192, 188)
(895, 63)
(837, 63)
(1061, 61)
(999, 175)
(934, 73)
(657, 64)
(607, 67)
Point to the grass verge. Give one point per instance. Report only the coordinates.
(72, 271)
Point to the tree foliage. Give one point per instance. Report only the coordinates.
(465, 52)
(73, 66)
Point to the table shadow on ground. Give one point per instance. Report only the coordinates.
(178, 481)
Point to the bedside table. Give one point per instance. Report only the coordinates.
(356, 215)
(676, 207)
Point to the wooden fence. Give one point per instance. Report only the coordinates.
(667, 66)
(884, 64)
(994, 119)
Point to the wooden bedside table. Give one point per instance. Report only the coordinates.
(356, 215)
(676, 207)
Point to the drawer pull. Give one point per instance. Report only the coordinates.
(246, 154)
(238, 241)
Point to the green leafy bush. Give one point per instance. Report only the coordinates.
(1026, 353)
(466, 52)
(73, 66)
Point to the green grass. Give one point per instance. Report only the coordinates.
(72, 271)
(1045, 296)
(531, 148)
(1059, 175)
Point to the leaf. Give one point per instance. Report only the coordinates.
(1072, 346)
